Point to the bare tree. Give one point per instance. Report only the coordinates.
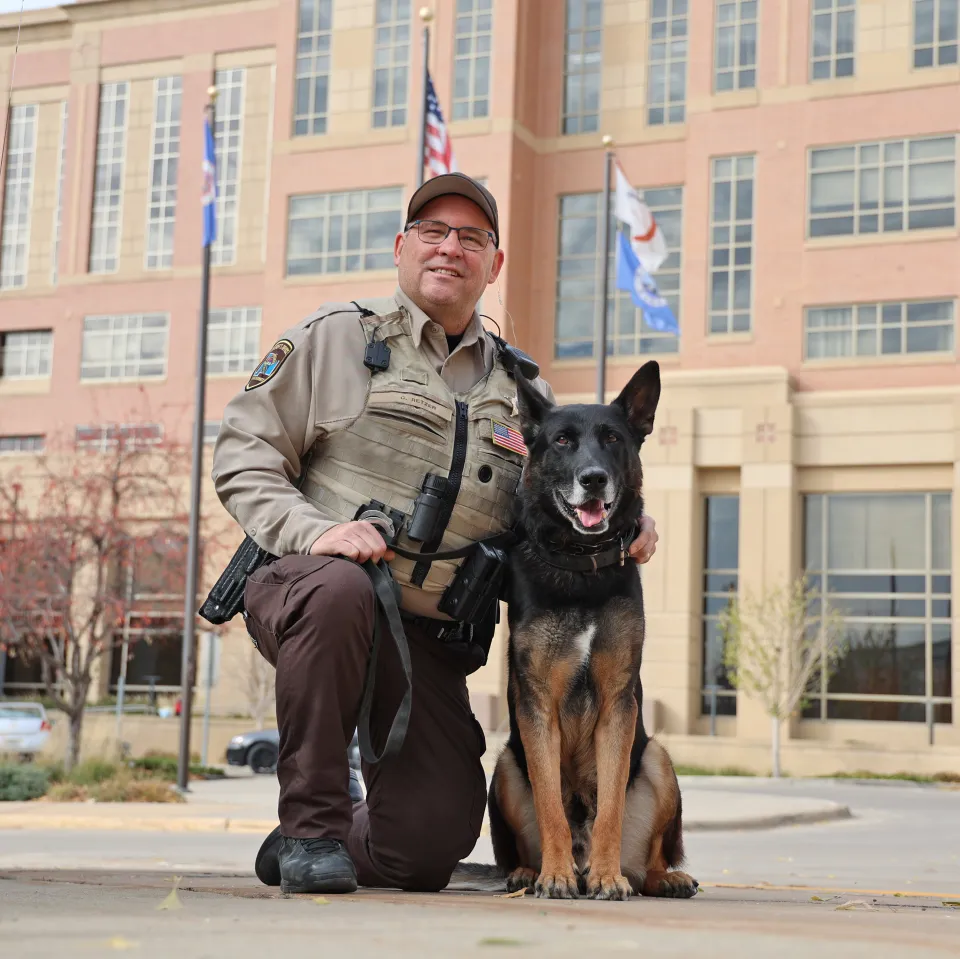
(259, 686)
(777, 645)
(77, 532)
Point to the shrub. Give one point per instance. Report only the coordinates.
(124, 788)
(165, 767)
(67, 792)
(92, 771)
(19, 783)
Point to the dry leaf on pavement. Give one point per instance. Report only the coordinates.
(519, 894)
(173, 900)
(854, 905)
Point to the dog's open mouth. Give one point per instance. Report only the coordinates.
(593, 512)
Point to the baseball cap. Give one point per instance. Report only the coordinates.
(462, 185)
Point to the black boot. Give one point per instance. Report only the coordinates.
(267, 863)
(316, 865)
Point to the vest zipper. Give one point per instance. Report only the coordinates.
(450, 494)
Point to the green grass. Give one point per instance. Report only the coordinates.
(903, 777)
(704, 771)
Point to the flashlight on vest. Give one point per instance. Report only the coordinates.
(428, 509)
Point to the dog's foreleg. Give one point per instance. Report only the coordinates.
(540, 732)
(613, 741)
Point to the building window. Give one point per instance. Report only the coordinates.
(229, 144)
(582, 60)
(473, 43)
(882, 560)
(391, 63)
(667, 84)
(343, 232)
(578, 278)
(731, 245)
(11, 445)
(162, 208)
(100, 439)
(832, 33)
(233, 340)
(721, 565)
(313, 67)
(880, 329)
(124, 347)
(18, 192)
(25, 354)
(935, 32)
(211, 430)
(58, 211)
(883, 187)
(108, 185)
(735, 57)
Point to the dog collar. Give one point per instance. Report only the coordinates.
(589, 559)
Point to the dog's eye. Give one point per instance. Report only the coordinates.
(562, 440)
(611, 437)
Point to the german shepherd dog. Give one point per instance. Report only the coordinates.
(583, 801)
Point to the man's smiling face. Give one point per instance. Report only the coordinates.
(445, 280)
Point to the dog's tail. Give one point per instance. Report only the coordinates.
(477, 877)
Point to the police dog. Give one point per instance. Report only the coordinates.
(583, 801)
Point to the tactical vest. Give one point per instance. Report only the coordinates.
(413, 424)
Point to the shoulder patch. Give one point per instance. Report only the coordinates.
(270, 364)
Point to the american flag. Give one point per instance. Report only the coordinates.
(437, 149)
(508, 438)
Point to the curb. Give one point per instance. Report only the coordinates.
(263, 826)
(133, 824)
(808, 818)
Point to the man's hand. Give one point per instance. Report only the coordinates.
(645, 545)
(357, 540)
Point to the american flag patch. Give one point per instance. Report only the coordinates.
(508, 438)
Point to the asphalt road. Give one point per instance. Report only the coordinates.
(902, 838)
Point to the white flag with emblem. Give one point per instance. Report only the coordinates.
(646, 237)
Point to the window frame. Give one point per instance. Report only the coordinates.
(44, 345)
(18, 186)
(466, 107)
(228, 141)
(619, 302)
(590, 64)
(165, 155)
(667, 62)
(234, 320)
(133, 331)
(936, 46)
(106, 217)
(737, 67)
(342, 198)
(313, 48)
(733, 245)
(837, 7)
(394, 111)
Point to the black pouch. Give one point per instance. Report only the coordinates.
(476, 586)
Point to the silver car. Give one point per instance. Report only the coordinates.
(24, 728)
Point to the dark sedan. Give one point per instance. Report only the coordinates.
(260, 750)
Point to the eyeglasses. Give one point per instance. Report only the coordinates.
(434, 232)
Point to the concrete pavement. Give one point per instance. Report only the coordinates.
(98, 914)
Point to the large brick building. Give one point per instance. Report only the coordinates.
(801, 156)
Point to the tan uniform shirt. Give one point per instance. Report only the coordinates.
(320, 386)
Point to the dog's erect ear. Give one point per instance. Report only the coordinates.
(533, 407)
(639, 398)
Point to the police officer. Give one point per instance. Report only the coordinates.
(365, 399)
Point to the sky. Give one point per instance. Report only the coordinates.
(13, 6)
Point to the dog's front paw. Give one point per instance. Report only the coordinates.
(671, 885)
(608, 885)
(521, 878)
(557, 884)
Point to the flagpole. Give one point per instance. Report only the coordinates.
(601, 344)
(188, 667)
(426, 15)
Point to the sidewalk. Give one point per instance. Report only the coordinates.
(247, 804)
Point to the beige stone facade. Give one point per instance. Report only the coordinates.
(797, 396)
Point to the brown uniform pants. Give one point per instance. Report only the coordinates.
(312, 617)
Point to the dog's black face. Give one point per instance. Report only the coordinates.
(583, 474)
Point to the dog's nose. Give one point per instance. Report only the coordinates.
(593, 481)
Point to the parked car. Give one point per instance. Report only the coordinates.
(260, 750)
(24, 728)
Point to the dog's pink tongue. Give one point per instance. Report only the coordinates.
(591, 513)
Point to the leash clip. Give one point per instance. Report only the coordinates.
(623, 550)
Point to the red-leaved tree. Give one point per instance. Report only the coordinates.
(84, 534)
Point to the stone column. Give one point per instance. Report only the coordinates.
(769, 525)
(670, 671)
